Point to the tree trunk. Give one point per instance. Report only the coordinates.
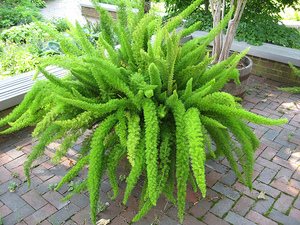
(221, 48)
(147, 6)
(206, 3)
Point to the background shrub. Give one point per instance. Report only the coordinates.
(17, 12)
(39, 3)
(16, 59)
(60, 24)
(25, 33)
(259, 22)
(263, 29)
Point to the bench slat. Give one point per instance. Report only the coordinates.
(13, 89)
(25, 82)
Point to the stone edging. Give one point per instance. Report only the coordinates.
(266, 51)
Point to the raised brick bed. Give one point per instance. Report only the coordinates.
(88, 10)
(273, 70)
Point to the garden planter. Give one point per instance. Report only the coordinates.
(240, 90)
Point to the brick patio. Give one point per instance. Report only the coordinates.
(276, 172)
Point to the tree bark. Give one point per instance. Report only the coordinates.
(206, 4)
(221, 48)
(147, 6)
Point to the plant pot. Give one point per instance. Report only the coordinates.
(240, 90)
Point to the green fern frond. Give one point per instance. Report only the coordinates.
(143, 211)
(24, 105)
(139, 37)
(239, 113)
(196, 146)
(134, 135)
(24, 120)
(151, 139)
(182, 157)
(224, 146)
(190, 29)
(246, 147)
(98, 109)
(96, 162)
(82, 39)
(65, 146)
(85, 76)
(208, 143)
(48, 119)
(38, 150)
(211, 122)
(107, 24)
(115, 156)
(188, 90)
(74, 171)
(155, 78)
(77, 189)
(114, 58)
(121, 127)
(136, 169)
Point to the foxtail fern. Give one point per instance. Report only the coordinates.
(149, 100)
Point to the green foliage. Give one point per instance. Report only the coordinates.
(52, 48)
(25, 33)
(259, 23)
(94, 27)
(293, 90)
(17, 12)
(150, 101)
(16, 59)
(52, 187)
(264, 29)
(254, 31)
(12, 186)
(22, 46)
(60, 24)
(39, 3)
(295, 16)
(73, 186)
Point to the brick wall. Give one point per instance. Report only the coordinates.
(275, 71)
(91, 12)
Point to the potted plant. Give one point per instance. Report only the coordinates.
(150, 101)
(222, 46)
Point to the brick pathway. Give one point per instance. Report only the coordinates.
(276, 168)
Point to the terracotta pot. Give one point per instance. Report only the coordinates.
(236, 90)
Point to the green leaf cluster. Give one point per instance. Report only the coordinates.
(151, 100)
(16, 59)
(17, 12)
(254, 28)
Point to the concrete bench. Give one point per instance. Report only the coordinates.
(13, 89)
